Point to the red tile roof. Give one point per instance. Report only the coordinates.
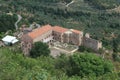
(39, 31)
(76, 31)
(59, 29)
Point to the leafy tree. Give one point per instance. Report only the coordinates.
(116, 44)
(116, 57)
(17, 67)
(7, 22)
(39, 49)
(89, 65)
(104, 4)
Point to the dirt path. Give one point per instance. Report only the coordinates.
(117, 9)
(19, 19)
(67, 5)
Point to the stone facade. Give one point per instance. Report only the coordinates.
(48, 33)
(46, 37)
(72, 37)
(57, 36)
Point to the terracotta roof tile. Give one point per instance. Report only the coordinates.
(76, 31)
(39, 31)
(59, 29)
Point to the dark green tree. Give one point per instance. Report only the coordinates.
(116, 57)
(89, 65)
(39, 49)
(116, 44)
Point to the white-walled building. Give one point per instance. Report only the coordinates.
(9, 40)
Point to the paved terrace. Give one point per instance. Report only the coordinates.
(58, 48)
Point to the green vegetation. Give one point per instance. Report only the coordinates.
(116, 57)
(14, 66)
(116, 49)
(89, 65)
(7, 22)
(39, 49)
(81, 15)
(104, 4)
(116, 44)
(93, 16)
(85, 64)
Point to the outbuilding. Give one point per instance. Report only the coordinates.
(9, 40)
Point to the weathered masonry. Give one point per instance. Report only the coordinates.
(48, 34)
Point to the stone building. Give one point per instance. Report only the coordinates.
(67, 35)
(58, 33)
(73, 37)
(48, 34)
(43, 34)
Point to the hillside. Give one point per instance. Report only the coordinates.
(14, 66)
(100, 18)
(81, 14)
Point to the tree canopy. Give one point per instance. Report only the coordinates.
(104, 4)
(14, 66)
(83, 15)
(7, 22)
(39, 49)
(89, 65)
(116, 44)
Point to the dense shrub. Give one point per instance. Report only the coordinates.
(7, 22)
(89, 65)
(39, 49)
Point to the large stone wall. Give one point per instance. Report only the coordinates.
(92, 43)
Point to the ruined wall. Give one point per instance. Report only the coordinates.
(92, 43)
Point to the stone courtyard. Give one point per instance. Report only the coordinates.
(58, 48)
